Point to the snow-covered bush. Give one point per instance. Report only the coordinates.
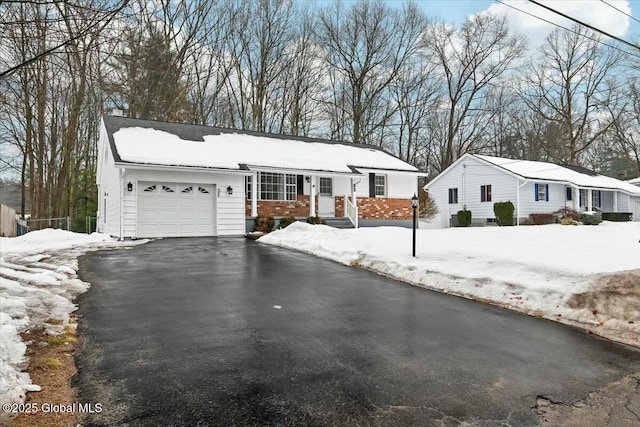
(591, 218)
(285, 222)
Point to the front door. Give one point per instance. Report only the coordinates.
(326, 201)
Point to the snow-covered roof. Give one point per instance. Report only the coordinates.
(172, 144)
(634, 181)
(545, 171)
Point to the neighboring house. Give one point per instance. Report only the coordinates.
(635, 181)
(476, 182)
(158, 179)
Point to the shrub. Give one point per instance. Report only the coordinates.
(591, 218)
(315, 220)
(264, 224)
(285, 222)
(427, 208)
(568, 221)
(464, 218)
(617, 216)
(542, 218)
(567, 213)
(504, 212)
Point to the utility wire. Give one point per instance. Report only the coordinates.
(584, 24)
(568, 29)
(621, 11)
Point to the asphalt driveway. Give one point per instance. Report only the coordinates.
(224, 331)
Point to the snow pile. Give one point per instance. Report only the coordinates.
(553, 271)
(37, 286)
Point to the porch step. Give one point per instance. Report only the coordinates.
(339, 222)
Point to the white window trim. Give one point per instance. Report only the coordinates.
(289, 189)
(321, 193)
(384, 186)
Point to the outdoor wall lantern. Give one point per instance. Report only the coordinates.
(229, 190)
(307, 178)
(414, 205)
(129, 186)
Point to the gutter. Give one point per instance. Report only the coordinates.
(121, 204)
(525, 182)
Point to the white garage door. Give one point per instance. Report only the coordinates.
(175, 210)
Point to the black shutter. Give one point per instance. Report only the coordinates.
(300, 184)
(372, 185)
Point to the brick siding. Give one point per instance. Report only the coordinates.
(378, 208)
(368, 208)
(278, 208)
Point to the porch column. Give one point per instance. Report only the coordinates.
(615, 201)
(254, 194)
(312, 197)
(589, 200)
(575, 200)
(353, 193)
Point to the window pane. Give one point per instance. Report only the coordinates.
(326, 186)
(380, 184)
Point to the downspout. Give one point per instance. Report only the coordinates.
(526, 181)
(464, 189)
(121, 204)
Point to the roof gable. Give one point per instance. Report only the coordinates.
(160, 143)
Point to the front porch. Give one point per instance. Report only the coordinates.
(369, 211)
(590, 199)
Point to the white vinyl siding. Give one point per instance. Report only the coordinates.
(229, 209)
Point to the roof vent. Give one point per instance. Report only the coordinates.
(117, 112)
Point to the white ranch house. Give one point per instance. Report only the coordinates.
(158, 179)
(476, 182)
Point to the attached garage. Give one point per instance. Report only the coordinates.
(176, 210)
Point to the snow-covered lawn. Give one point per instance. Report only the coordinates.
(37, 286)
(588, 276)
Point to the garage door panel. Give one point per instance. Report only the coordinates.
(175, 210)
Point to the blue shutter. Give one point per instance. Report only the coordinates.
(546, 192)
(536, 191)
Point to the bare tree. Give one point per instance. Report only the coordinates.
(264, 30)
(416, 95)
(624, 109)
(570, 85)
(471, 59)
(365, 47)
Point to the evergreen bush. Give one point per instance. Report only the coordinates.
(315, 220)
(464, 218)
(285, 222)
(264, 224)
(617, 216)
(504, 212)
(591, 218)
